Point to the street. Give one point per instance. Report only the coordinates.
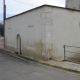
(12, 68)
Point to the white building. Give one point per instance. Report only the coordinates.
(73, 4)
(42, 32)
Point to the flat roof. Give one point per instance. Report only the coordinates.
(40, 7)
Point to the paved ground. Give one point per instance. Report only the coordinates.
(65, 64)
(12, 68)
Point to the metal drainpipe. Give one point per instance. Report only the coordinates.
(4, 17)
(64, 53)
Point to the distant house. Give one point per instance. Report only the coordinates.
(41, 33)
(73, 4)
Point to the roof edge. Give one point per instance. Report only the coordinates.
(40, 7)
(26, 11)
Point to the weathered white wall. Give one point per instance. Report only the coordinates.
(29, 26)
(44, 32)
(64, 30)
(73, 4)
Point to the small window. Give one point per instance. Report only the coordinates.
(30, 26)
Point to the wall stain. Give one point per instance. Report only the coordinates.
(75, 58)
(53, 54)
(36, 54)
(71, 11)
(10, 48)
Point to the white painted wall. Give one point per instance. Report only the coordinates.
(73, 4)
(65, 30)
(43, 32)
(29, 27)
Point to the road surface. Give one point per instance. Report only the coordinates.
(12, 68)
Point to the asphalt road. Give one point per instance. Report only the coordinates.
(12, 68)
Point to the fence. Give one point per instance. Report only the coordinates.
(65, 51)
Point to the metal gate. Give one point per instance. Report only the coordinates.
(71, 52)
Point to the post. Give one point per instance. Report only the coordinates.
(4, 17)
(64, 52)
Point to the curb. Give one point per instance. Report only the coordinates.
(63, 68)
(40, 62)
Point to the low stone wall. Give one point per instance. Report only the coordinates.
(1, 42)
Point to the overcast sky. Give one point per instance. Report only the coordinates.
(18, 6)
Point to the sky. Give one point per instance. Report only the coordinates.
(14, 7)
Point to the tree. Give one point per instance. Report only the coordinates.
(1, 29)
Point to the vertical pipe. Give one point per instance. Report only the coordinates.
(64, 53)
(4, 16)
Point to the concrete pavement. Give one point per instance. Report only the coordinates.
(13, 68)
(65, 65)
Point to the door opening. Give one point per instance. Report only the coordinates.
(18, 44)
